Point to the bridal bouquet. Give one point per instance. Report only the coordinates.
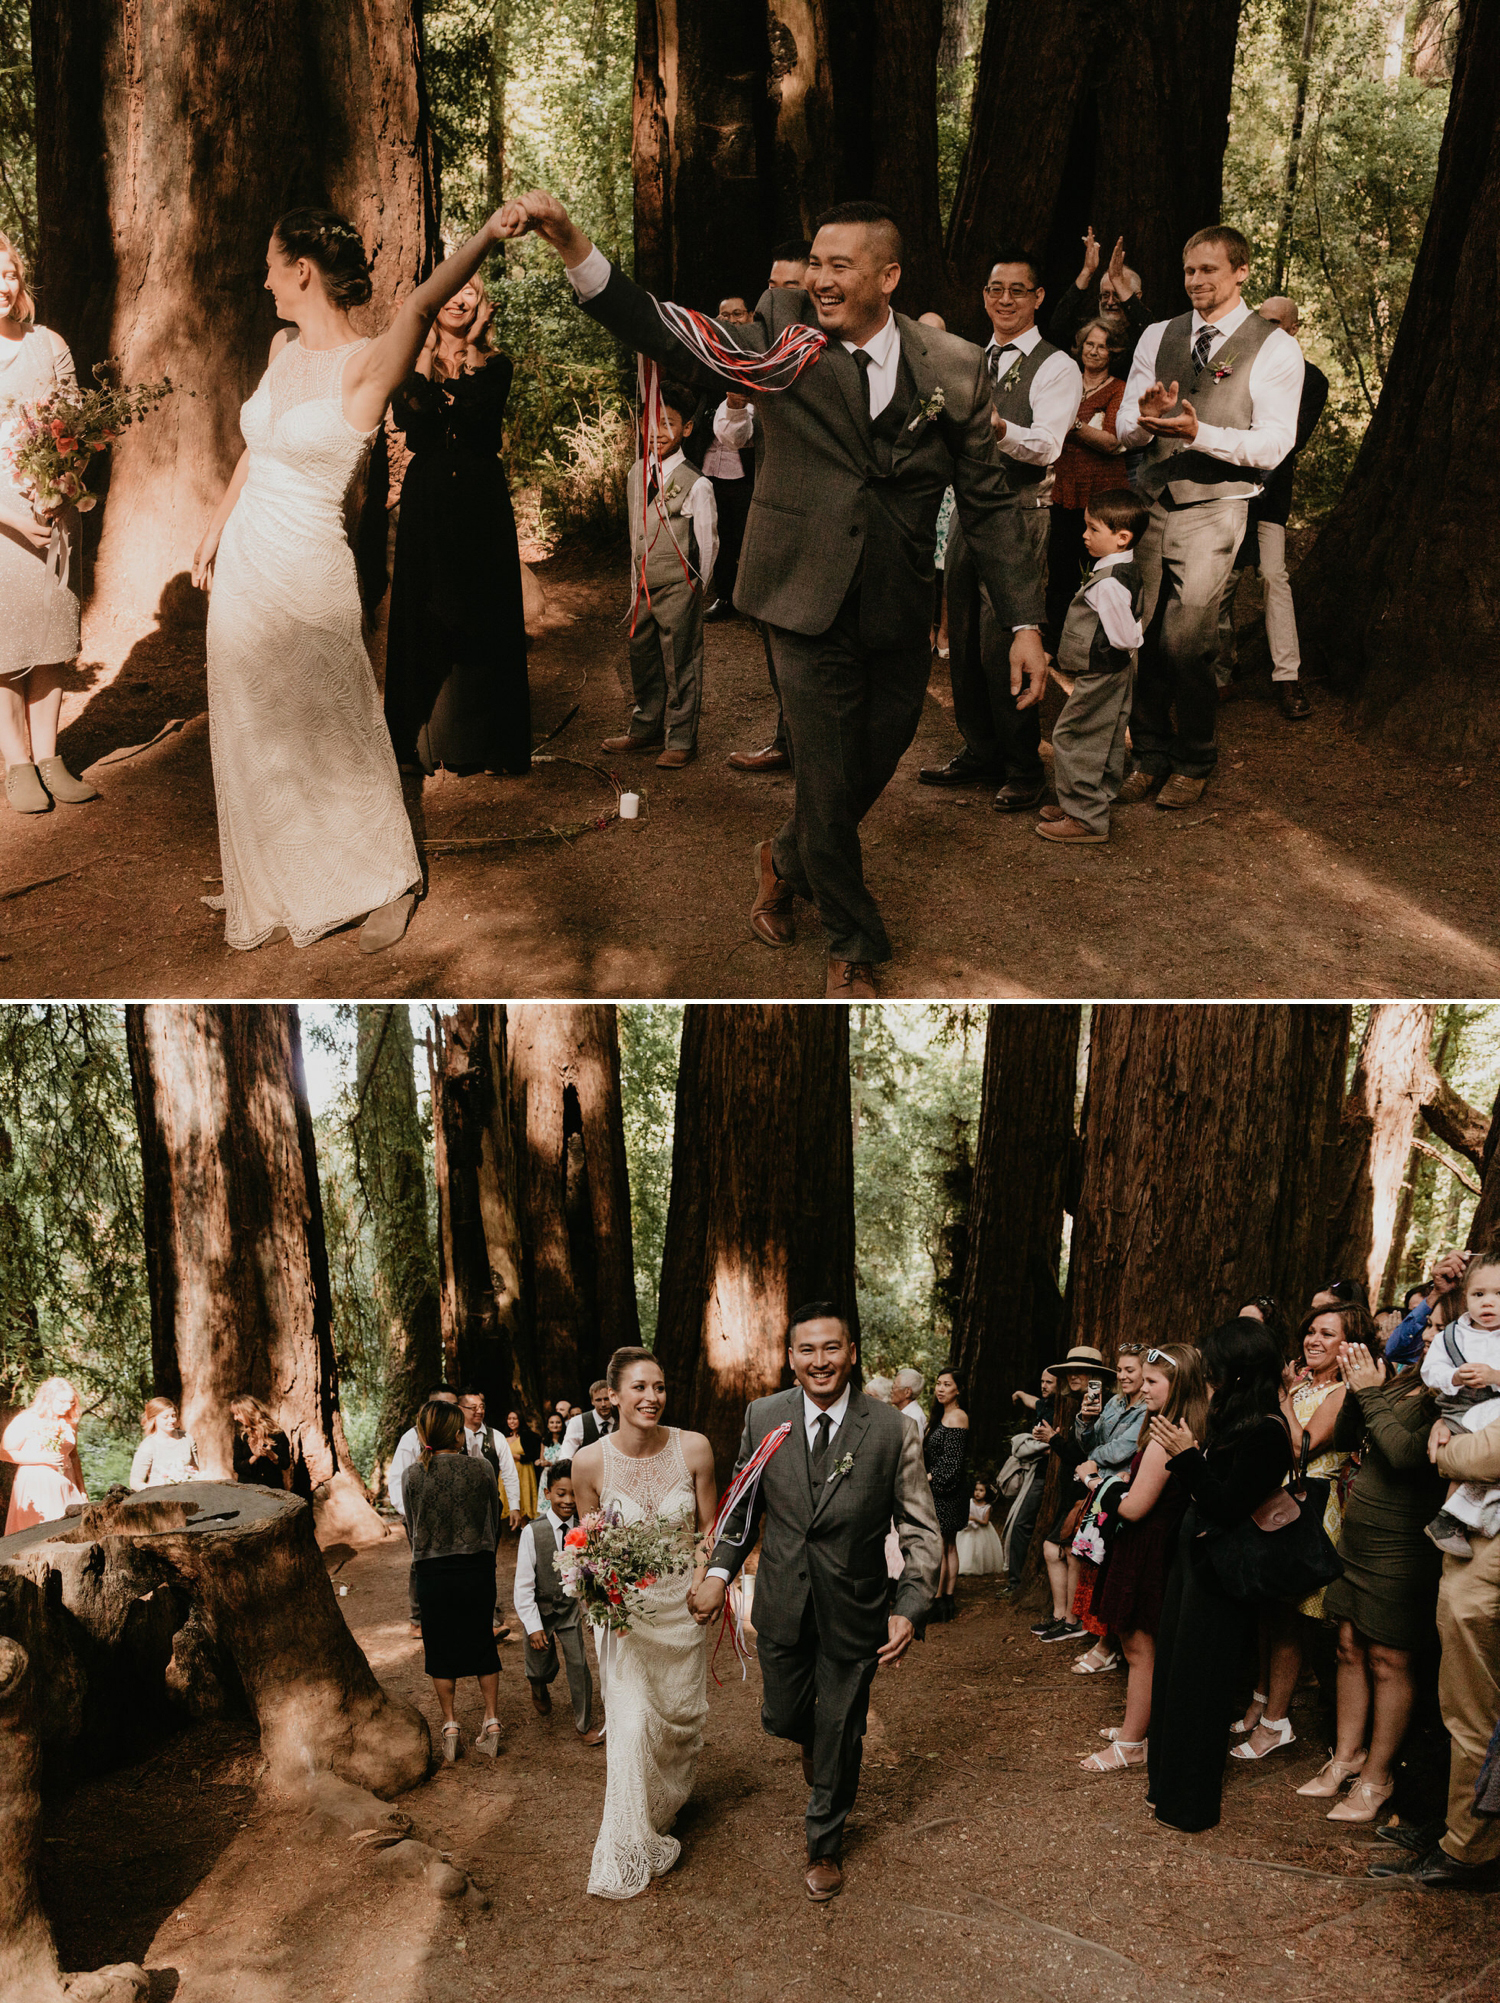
(48, 443)
(604, 1559)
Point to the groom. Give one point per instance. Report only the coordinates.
(827, 1497)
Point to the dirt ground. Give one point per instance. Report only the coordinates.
(1316, 865)
(981, 1863)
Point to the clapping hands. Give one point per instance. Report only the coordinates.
(1160, 398)
(1170, 1437)
(1359, 1369)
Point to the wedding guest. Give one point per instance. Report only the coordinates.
(550, 1620)
(41, 573)
(585, 1427)
(906, 1391)
(979, 1549)
(733, 311)
(945, 1452)
(524, 1446)
(483, 1442)
(1080, 1403)
(262, 1451)
(1035, 390)
(1132, 1582)
(1120, 306)
(1463, 1370)
(41, 1443)
(1386, 1599)
(1098, 648)
(453, 1519)
(166, 1453)
(456, 692)
(1407, 1342)
(408, 1449)
(1213, 395)
(1203, 1633)
(1039, 1406)
(673, 548)
(553, 1451)
(1089, 463)
(1265, 1309)
(1028, 1507)
(1263, 545)
(729, 468)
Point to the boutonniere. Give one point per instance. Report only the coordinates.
(845, 1464)
(931, 408)
(1011, 379)
(1224, 369)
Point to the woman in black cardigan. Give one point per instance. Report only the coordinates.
(1205, 1636)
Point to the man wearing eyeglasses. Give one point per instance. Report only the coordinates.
(1035, 390)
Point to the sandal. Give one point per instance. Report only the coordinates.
(1285, 1736)
(1083, 1667)
(1363, 1802)
(1117, 1758)
(1247, 1723)
(452, 1743)
(488, 1741)
(1331, 1777)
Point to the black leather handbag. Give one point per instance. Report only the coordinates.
(1281, 1551)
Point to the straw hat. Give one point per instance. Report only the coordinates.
(1084, 1358)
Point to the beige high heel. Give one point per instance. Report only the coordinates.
(1363, 1802)
(1331, 1777)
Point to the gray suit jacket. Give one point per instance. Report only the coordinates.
(830, 1545)
(823, 505)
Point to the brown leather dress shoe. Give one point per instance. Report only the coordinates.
(1139, 786)
(1066, 829)
(541, 1699)
(772, 759)
(1051, 813)
(1014, 798)
(593, 1738)
(625, 742)
(824, 1879)
(676, 756)
(772, 917)
(961, 770)
(1181, 791)
(851, 980)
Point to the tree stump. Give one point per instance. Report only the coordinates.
(213, 1597)
(28, 1959)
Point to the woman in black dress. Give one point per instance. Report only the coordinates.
(452, 1507)
(1205, 1636)
(456, 692)
(945, 1450)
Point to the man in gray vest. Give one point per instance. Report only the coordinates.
(1035, 389)
(1213, 394)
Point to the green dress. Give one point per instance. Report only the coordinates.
(1391, 1569)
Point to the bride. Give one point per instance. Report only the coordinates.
(654, 1678)
(313, 831)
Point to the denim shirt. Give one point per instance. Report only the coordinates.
(1114, 1436)
(1404, 1343)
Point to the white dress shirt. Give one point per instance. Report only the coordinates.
(811, 1414)
(1275, 393)
(1056, 392)
(407, 1449)
(573, 1432)
(734, 433)
(523, 1593)
(510, 1480)
(1109, 598)
(702, 510)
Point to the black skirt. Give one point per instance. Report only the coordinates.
(457, 1601)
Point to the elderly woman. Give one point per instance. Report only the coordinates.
(40, 573)
(42, 1444)
(1091, 460)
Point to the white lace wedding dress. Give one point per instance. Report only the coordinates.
(655, 1685)
(312, 828)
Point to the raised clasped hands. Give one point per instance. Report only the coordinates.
(1159, 399)
(1359, 1369)
(541, 214)
(705, 1599)
(1171, 1438)
(1446, 1275)
(900, 1632)
(1028, 664)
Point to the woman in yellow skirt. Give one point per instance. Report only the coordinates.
(524, 1446)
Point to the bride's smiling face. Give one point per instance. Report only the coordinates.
(641, 1395)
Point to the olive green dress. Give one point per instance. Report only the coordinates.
(1391, 1569)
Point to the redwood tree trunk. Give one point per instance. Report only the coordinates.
(170, 135)
(1391, 602)
(1010, 1311)
(906, 35)
(761, 1218)
(1208, 1155)
(573, 1189)
(1375, 1137)
(28, 1958)
(1484, 1229)
(233, 1219)
(1087, 114)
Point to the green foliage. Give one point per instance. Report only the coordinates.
(650, 1035)
(17, 128)
(955, 98)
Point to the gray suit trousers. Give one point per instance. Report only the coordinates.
(821, 1703)
(1088, 747)
(1186, 557)
(851, 712)
(541, 1666)
(1004, 740)
(666, 664)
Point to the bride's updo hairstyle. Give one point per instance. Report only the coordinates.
(334, 245)
(621, 1361)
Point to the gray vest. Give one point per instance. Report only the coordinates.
(550, 1597)
(665, 543)
(1032, 484)
(1220, 395)
(1084, 647)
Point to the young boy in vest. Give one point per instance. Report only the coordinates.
(1098, 649)
(674, 534)
(549, 1619)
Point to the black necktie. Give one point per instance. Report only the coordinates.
(1201, 346)
(992, 357)
(652, 488)
(862, 363)
(824, 1427)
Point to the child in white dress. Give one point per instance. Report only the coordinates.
(979, 1548)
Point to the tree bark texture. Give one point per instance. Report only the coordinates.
(573, 1188)
(131, 1601)
(761, 1217)
(1392, 605)
(28, 1957)
(1209, 1144)
(1010, 1312)
(906, 35)
(233, 1216)
(390, 1159)
(1375, 1137)
(1484, 1227)
(170, 135)
(1084, 114)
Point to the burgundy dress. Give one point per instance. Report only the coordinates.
(1133, 1578)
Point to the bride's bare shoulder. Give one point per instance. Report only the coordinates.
(696, 1451)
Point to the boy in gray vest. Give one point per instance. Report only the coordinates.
(674, 535)
(1098, 649)
(1213, 395)
(551, 1621)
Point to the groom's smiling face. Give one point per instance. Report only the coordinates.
(821, 1354)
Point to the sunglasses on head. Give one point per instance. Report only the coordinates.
(1161, 1356)
(1131, 1349)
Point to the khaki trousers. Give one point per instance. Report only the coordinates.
(1469, 1691)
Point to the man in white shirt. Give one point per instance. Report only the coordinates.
(585, 1427)
(730, 469)
(1214, 396)
(1036, 390)
(483, 1442)
(549, 1619)
(905, 1394)
(407, 1449)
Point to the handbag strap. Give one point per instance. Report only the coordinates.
(1299, 1486)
